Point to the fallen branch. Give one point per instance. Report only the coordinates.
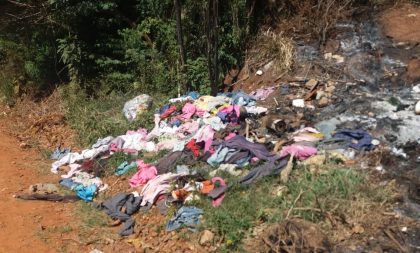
(388, 233)
(294, 203)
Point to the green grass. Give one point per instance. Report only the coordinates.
(101, 116)
(90, 216)
(306, 194)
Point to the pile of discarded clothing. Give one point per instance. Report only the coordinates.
(194, 129)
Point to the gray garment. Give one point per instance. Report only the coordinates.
(114, 205)
(49, 197)
(266, 169)
(240, 143)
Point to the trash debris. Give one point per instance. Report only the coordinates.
(121, 207)
(44, 188)
(185, 216)
(259, 72)
(58, 153)
(136, 106)
(298, 103)
(399, 152)
(417, 108)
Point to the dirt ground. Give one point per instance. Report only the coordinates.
(22, 223)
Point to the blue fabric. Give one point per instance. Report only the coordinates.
(185, 216)
(69, 183)
(124, 167)
(86, 193)
(58, 153)
(193, 94)
(242, 99)
(363, 138)
(221, 154)
(177, 123)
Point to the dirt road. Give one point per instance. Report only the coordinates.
(28, 226)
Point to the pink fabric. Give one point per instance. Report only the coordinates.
(141, 131)
(262, 93)
(230, 108)
(298, 151)
(230, 136)
(145, 173)
(188, 127)
(205, 134)
(156, 187)
(187, 112)
(217, 202)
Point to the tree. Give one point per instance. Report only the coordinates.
(212, 44)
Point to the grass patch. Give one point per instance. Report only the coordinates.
(101, 116)
(306, 195)
(90, 216)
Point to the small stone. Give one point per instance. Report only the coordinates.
(323, 102)
(375, 142)
(311, 83)
(357, 229)
(417, 108)
(23, 145)
(207, 238)
(259, 72)
(320, 94)
(404, 229)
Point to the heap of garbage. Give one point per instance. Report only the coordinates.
(229, 132)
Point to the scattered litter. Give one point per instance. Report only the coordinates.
(298, 103)
(58, 153)
(186, 216)
(399, 152)
(136, 106)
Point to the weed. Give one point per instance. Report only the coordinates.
(95, 118)
(307, 196)
(90, 216)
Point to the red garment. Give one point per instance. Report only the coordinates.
(192, 145)
(168, 112)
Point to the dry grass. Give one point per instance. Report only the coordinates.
(273, 47)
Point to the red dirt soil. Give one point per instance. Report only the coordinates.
(22, 222)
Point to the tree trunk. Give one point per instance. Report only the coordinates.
(212, 45)
(183, 56)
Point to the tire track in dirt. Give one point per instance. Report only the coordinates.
(28, 226)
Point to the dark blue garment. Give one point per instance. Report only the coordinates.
(363, 138)
(177, 123)
(267, 169)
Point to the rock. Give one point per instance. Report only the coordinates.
(357, 229)
(259, 72)
(417, 108)
(320, 94)
(298, 103)
(207, 238)
(23, 145)
(311, 83)
(323, 102)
